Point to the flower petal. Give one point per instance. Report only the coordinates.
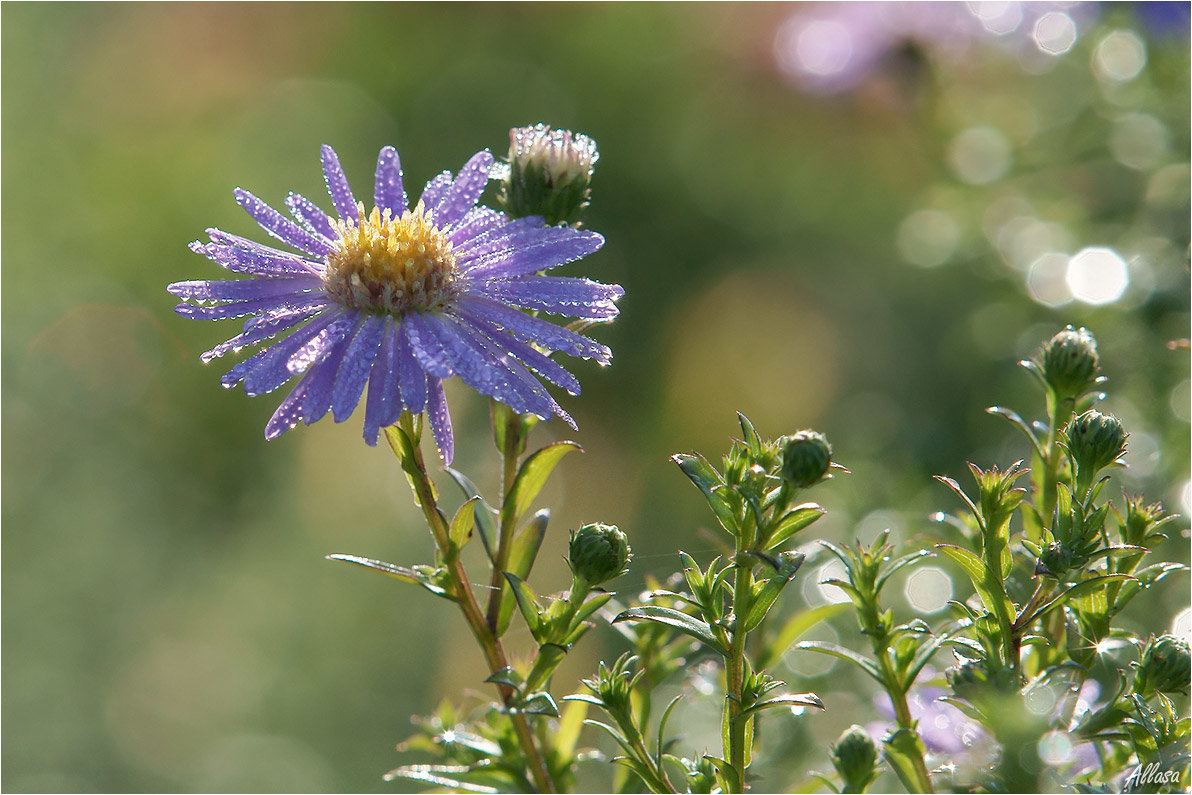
(285, 347)
(532, 358)
(558, 295)
(411, 376)
(358, 360)
(318, 398)
(279, 226)
(248, 307)
(311, 216)
(555, 246)
(504, 237)
(278, 320)
(480, 221)
(440, 419)
(244, 289)
(288, 414)
(337, 186)
(383, 405)
(465, 190)
(489, 314)
(263, 264)
(389, 193)
(435, 189)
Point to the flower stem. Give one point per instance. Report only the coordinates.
(461, 589)
(510, 452)
(735, 666)
(902, 713)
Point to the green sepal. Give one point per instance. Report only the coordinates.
(532, 476)
(688, 625)
(902, 748)
(432, 579)
(864, 663)
(591, 605)
(522, 553)
(708, 480)
(788, 564)
(798, 518)
(749, 435)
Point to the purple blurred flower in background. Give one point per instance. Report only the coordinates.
(831, 48)
(944, 728)
(400, 298)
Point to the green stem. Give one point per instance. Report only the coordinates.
(735, 666)
(510, 454)
(465, 598)
(902, 714)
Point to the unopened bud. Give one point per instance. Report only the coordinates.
(806, 457)
(1070, 362)
(854, 756)
(598, 553)
(550, 172)
(1095, 441)
(1166, 666)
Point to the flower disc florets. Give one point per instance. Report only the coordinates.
(395, 265)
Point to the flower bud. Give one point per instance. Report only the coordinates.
(550, 172)
(1070, 362)
(1095, 441)
(805, 458)
(854, 756)
(1165, 667)
(598, 553)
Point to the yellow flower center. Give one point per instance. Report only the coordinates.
(393, 265)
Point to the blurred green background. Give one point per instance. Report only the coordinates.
(869, 257)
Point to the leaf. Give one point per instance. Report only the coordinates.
(794, 628)
(419, 575)
(974, 567)
(864, 663)
(442, 775)
(522, 553)
(571, 722)
(460, 531)
(532, 476)
(540, 703)
(730, 781)
(904, 749)
(749, 435)
(707, 480)
(1080, 590)
(796, 519)
(531, 608)
(789, 563)
(788, 700)
(1012, 417)
(662, 729)
(686, 624)
(484, 513)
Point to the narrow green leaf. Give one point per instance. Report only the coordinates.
(461, 526)
(707, 480)
(788, 701)
(442, 775)
(532, 476)
(571, 722)
(522, 553)
(419, 575)
(974, 567)
(540, 703)
(1012, 417)
(1079, 590)
(789, 563)
(749, 435)
(662, 729)
(730, 781)
(794, 520)
(484, 514)
(865, 664)
(531, 608)
(686, 624)
(794, 628)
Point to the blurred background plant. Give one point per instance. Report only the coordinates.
(839, 216)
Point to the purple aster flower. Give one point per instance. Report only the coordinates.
(400, 298)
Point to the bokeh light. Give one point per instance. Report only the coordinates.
(1119, 57)
(980, 155)
(1054, 33)
(1097, 275)
(928, 589)
(928, 238)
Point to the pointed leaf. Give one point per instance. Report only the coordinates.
(904, 751)
(796, 519)
(1080, 590)
(522, 553)
(788, 700)
(461, 526)
(974, 567)
(532, 475)
(865, 664)
(540, 703)
(531, 608)
(442, 775)
(419, 575)
(686, 624)
(749, 435)
(483, 512)
(707, 479)
(789, 563)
